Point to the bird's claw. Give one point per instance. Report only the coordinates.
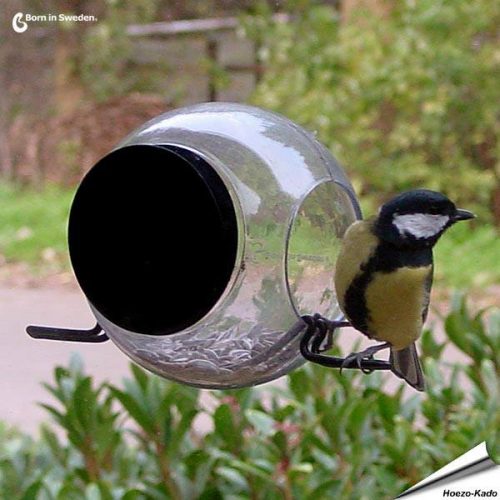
(314, 335)
(325, 330)
(359, 357)
(328, 343)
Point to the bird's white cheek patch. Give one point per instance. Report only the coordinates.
(420, 225)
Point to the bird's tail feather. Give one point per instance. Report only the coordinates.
(405, 364)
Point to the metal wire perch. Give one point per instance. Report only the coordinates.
(318, 328)
(95, 334)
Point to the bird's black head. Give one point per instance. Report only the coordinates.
(417, 218)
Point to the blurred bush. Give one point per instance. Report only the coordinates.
(404, 97)
(103, 59)
(317, 435)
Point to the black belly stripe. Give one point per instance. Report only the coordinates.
(355, 303)
(386, 258)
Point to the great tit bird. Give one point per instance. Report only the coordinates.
(383, 280)
(384, 274)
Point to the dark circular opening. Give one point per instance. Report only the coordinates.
(153, 238)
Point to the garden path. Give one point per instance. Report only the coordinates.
(25, 363)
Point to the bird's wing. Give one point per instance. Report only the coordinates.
(358, 245)
(427, 297)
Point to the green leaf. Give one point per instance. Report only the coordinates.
(140, 376)
(33, 490)
(493, 445)
(280, 440)
(430, 347)
(133, 494)
(181, 429)
(56, 414)
(232, 476)
(225, 427)
(143, 419)
(327, 489)
(84, 402)
(262, 422)
(260, 472)
(92, 492)
(211, 493)
(299, 384)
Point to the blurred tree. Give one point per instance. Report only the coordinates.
(406, 97)
(380, 8)
(25, 81)
(106, 48)
(6, 34)
(68, 88)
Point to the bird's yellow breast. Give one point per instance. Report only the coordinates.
(395, 302)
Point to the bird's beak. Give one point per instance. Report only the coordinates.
(461, 214)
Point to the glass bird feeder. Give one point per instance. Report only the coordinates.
(203, 237)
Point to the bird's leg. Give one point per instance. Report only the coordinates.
(321, 331)
(317, 329)
(332, 326)
(324, 329)
(357, 358)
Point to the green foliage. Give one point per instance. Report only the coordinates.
(318, 434)
(403, 101)
(87, 417)
(18, 462)
(468, 258)
(33, 224)
(105, 65)
(33, 229)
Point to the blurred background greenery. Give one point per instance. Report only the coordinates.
(404, 94)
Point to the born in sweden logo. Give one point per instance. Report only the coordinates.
(18, 25)
(20, 21)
